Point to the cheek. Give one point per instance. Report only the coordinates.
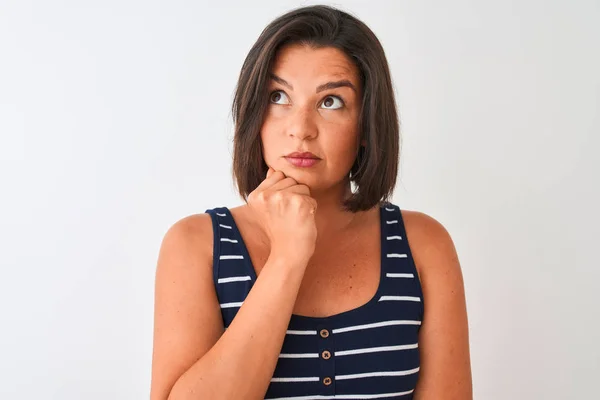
(269, 138)
(343, 141)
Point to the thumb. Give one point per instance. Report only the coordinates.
(270, 171)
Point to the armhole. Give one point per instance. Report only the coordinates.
(412, 264)
(216, 249)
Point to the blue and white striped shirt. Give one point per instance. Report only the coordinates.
(370, 352)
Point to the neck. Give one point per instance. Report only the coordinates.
(331, 216)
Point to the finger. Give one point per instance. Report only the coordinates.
(312, 202)
(300, 189)
(283, 184)
(270, 171)
(273, 178)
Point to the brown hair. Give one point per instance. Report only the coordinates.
(376, 167)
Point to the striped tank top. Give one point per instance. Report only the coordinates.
(370, 352)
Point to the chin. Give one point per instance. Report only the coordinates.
(310, 177)
(301, 175)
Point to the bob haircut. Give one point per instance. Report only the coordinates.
(375, 169)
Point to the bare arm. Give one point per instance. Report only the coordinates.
(444, 337)
(193, 358)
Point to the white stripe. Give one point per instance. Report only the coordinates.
(228, 240)
(234, 279)
(389, 209)
(394, 237)
(225, 226)
(231, 257)
(374, 374)
(391, 222)
(377, 349)
(303, 379)
(390, 275)
(375, 325)
(344, 396)
(231, 305)
(396, 255)
(290, 332)
(299, 355)
(400, 298)
(220, 215)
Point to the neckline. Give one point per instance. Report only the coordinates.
(307, 318)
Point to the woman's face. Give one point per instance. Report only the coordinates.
(314, 106)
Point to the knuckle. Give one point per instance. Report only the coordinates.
(261, 197)
(297, 200)
(277, 196)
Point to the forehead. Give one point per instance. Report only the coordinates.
(305, 62)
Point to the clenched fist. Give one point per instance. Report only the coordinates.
(287, 213)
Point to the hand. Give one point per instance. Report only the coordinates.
(287, 212)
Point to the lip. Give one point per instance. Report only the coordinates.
(306, 154)
(304, 159)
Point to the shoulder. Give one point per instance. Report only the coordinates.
(191, 229)
(431, 245)
(424, 228)
(188, 242)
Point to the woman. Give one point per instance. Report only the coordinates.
(329, 299)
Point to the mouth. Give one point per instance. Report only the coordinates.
(306, 154)
(305, 159)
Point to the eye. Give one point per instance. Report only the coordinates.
(332, 103)
(278, 97)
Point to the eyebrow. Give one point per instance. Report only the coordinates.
(320, 88)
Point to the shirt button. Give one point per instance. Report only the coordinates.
(326, 355)
(327, 381)
(324, 333)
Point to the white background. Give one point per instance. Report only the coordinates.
(115, 123)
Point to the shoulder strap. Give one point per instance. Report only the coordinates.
(215, 213)
(400, 271)
(232, 272)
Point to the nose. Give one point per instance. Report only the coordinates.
(302, 124)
